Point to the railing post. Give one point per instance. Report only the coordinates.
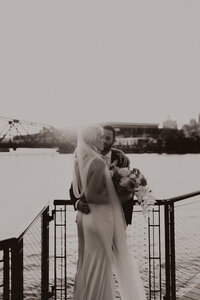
(60, 251)
(155, 286)
(6, 271)
(173, 254)
(170, 252)
(45, 255)
(17, 270)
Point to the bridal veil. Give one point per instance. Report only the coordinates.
(125, 268)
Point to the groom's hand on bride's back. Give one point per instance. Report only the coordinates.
(82, 205)
(79, 204)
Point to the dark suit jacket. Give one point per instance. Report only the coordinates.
(126, 206)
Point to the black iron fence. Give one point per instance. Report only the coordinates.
(41, 263)
(24, 262)
(155, 242)
(174, 246)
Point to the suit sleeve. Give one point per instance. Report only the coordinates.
(72, 196)
(120, 157)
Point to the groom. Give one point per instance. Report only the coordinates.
(110, 155)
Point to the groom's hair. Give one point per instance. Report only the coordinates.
(111, 128)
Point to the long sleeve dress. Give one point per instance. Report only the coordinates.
(102, 244)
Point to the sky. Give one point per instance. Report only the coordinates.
(68, 62)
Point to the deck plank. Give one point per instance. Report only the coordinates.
(193, 294)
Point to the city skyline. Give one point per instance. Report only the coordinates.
(167, 123)
(50, 120)
(99, 62)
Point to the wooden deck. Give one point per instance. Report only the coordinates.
(193, 294)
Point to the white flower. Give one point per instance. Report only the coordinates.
(111, 173)
(113, 164)
(124, 172)
(145, 199)
(124, 181)
(132, 176)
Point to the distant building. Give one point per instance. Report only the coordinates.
(170, 124)
(135, 130)
(193, 128)
(186, 130)
(127, 134)
(193, 123)
(131, 134)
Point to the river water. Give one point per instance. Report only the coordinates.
(30, 178)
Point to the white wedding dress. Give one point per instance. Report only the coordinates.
(103, 250)
(94, 279)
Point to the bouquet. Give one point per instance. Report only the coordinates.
(129, 182)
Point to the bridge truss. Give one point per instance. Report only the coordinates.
(16, 133)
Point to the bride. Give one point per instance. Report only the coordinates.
(102, 245)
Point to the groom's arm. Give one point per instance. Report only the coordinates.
(82, 205)
(122, 160)
(72, 197)
(79, 204)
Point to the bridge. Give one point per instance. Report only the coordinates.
(16, 133)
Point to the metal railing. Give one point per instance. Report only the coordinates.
(166, 247)
(171, 259)
(24, 263)
(153, 242)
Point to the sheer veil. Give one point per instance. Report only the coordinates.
(125, 268)
(85, 153)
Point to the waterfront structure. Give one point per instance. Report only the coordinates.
(21, 134)
(128, 129)
(193, 128)
(129, 135)
(171, 124)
